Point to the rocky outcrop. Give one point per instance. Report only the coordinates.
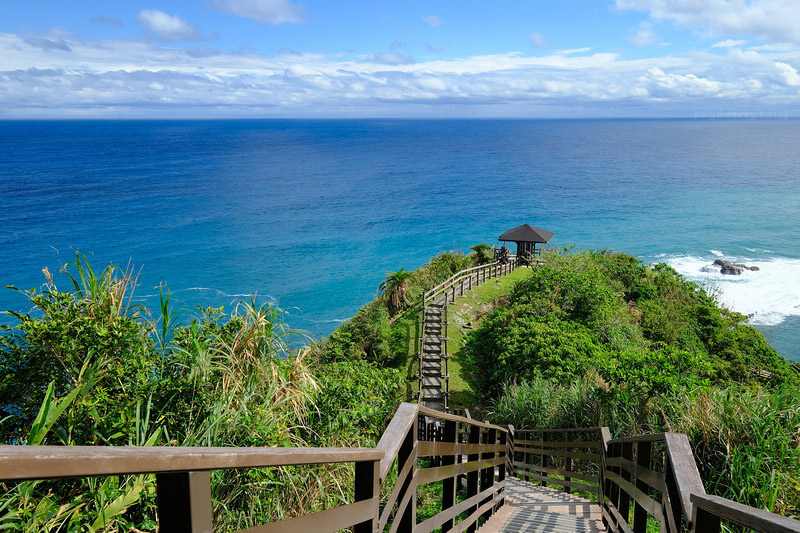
(732, 269)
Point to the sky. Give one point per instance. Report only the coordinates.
(411, 59)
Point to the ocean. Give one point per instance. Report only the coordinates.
(312, 213)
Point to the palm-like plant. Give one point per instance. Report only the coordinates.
(393, 289)
(483, 253)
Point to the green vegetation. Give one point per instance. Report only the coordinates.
(87, 366)
(598, 338)
(584, 339)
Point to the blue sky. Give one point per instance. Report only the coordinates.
(278, 58)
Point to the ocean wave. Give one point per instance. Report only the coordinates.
(717, 253)
(768, 296)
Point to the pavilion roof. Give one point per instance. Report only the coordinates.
(527, 233)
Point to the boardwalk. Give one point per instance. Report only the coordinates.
(531, 508)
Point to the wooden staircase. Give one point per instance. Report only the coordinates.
(433, 357)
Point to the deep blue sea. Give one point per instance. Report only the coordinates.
(313, 213)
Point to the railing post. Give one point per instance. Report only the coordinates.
(543, 457)
(472, 477)
(502, 469)
(510, 469)
(367, 486)
(487, 474)
(624, 503)
(184, 502)
(407, 452)
(568, 464)
(643, 456)
(613, 488)
(602, 482)
(705, 522)
(449, 484)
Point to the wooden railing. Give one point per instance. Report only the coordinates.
(637, 480)
(183, 478)
(419, 447)
(465, 279)
(570, 458)
(461, 282)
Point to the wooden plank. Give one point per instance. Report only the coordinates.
(557, 472)
(448, 416)
(563, 482)
(470, 520)
(746, 516)
(617, 519)
(391, 440)
(435, 521)
(331, 520)
(430, 475)
(566, 430)
(649, 504)
(430, 448)
(557, 453)
(652, 478)
(653, 437)
(48, 462)
(402, 478)
(560, 444)
(686, 476)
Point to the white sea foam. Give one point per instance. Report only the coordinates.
(717, 253)
(768, 296)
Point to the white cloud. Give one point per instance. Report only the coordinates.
(149, 79)
(771, 20)
(540, 41)
(789, 73)
(168, 26)
(264, 11)
(644, 35)
(432, 20)
(728, 43)
(570, 51)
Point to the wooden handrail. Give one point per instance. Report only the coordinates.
(50, 462)
(710, 510)
(391, 440)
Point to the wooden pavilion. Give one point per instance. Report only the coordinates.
(526, 237)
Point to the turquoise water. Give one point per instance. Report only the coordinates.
(313, 213)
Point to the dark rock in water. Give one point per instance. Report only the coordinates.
(731, 269)
(755, 268)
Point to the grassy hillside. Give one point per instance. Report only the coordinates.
(598, 338)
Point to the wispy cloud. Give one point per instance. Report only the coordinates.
(47, 44)
(168, 26)
(538, 40)
(728, 43)
(389, 58)
(263, 11)
(644, 35)
(106, 21)
(433, 21)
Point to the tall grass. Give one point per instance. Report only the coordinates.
(90, 366)
(746, 440)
